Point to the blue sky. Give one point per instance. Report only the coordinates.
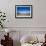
(23, 10)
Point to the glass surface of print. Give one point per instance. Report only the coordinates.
(23, 11)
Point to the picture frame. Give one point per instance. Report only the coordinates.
(23, 11)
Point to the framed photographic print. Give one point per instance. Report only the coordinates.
(23, 11)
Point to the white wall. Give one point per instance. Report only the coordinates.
(39, 13)
(38, 19)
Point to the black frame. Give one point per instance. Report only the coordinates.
(24, 17)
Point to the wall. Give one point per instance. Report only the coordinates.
(39, 13)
